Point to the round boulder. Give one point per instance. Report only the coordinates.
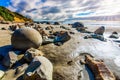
(26, 38)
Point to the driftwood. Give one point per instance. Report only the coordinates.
(99, 69)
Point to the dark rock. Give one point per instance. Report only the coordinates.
(62, 37)
(77, 24)
(3, 28)
(56, 23)
(13, 27)
(114, 35)
(1, 57)
(40, 69)
(10, 59)
(26, 38)
(31, 53)
(100, 30)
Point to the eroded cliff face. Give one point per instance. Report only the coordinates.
(16, 19)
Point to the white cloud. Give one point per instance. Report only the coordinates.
(65, 9)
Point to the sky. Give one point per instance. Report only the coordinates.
(65, 10)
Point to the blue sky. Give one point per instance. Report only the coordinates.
(62, 10)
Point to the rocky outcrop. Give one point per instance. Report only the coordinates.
(99, 69)
(26, 38)
(40, 69)
(10, 59)
(31, 53)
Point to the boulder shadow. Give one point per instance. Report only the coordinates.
(5, 49)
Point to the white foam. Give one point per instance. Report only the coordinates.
(117, 61)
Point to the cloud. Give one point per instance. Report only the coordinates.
(65, 9)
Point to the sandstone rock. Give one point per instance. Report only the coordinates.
(40, 69)
(99, 69)
(31, 53)
(10, 59)
(114, 35)
(2, 73)
(26, 38)
(100, 30)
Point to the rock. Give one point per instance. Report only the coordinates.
(26, 38)
(77, 24)
(40, 69)
(2, 73)
(21, 69)
(1, 57)
(31, 53)
(100, 30)
(62, 37)
(3, 28)
(114, 35)
(49, 28)
(56, 23)
(13, 27)
(99, 69)
(10, 59)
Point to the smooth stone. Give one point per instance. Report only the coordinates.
(26, 38)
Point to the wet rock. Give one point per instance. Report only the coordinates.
(1, 57)
(114, 35)
(100, 30)
(62, 37)
(56, 23)
(3, 28)
(2, 73)
(40, 69)
(99, 69)
(21, 69)
(13, 27)
(77, 24)
(72, 32)
(26, 38)
(10, 59)
(31, 53)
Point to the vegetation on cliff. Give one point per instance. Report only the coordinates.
(7, 15)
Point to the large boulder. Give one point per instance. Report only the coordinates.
(31, 53)
(10, 59)
(26, 38)
(40, 69)
(100, 30)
